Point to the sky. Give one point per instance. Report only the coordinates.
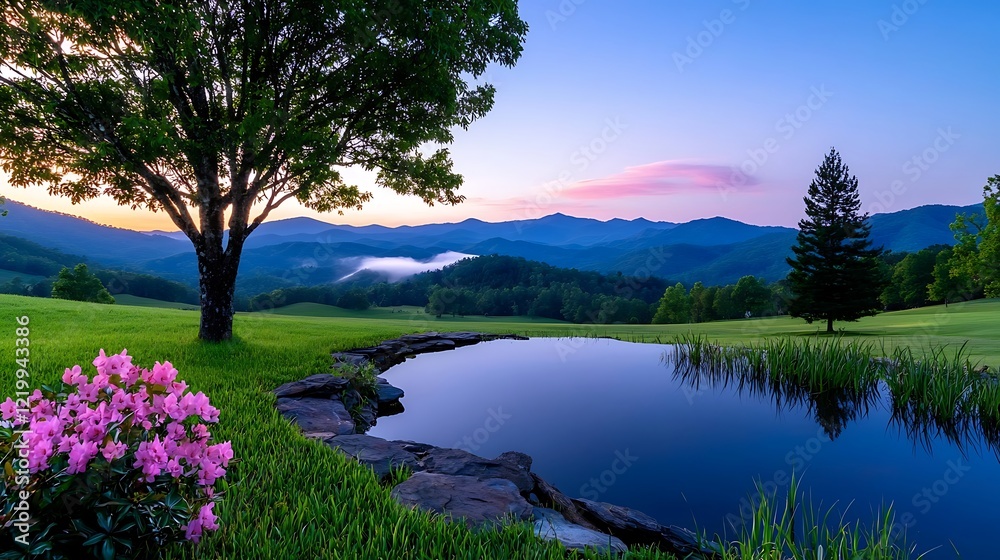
(674, 110)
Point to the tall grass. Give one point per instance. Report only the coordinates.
(790, 528)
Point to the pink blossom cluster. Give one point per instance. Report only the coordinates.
(142, 416)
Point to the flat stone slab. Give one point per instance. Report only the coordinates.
(379, 454)
(635, 527)
(479, 503)
(321, 385)
(317, 415)
(551, 525)
(449, 461)
(388, 393)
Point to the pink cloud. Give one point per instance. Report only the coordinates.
(661, 178)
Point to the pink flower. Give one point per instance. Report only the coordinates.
(39, 451)
(113, 450)
(151, 457)
(206, 520)
(74, 376)
(8, 409)
(162, 374)
(88, 392)
(81, 454)
(174, 468)
(220, 453)
(192, 531)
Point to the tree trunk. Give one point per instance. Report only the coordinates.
(829, 325)
(217, 280)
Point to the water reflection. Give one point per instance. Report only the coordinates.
(835, 406)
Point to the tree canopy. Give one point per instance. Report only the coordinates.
(80, 284)
(216, 112)
(835, 272)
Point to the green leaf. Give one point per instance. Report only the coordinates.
(94, 539)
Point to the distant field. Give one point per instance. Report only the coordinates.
(403, 313)
(8, 275)
(128, 299)
(976, 323)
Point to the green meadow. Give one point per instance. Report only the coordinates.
(288, 497)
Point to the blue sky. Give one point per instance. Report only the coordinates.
(675, 110)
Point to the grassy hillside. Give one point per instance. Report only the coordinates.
(8, 275)
(288, 497)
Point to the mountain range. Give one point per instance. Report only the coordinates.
(307, 251)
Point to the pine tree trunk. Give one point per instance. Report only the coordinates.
(217, 280)
(829, 325)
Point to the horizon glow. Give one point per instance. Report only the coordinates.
(694, 110)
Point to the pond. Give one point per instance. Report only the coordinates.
(613, 421)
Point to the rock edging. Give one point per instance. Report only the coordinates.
(452, 482)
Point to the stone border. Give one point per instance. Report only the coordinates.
(454, 483)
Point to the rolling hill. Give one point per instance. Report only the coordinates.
(304, 251)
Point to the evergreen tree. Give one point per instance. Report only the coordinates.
(835, 271)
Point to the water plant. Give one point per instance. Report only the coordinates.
(790, 527)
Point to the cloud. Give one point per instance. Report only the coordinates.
(660, 178)
(397, 268)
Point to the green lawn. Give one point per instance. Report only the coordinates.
(292, 498)
(129, 299)
(405, 313)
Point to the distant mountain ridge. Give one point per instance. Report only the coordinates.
(307, 251)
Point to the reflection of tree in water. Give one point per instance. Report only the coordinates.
(835, 406)
(965, 431)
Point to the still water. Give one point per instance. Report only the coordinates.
(613, 421)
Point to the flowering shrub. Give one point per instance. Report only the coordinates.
(117, 465)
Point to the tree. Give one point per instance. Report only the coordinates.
(80, 284)
(835, 271)
(217, 112)
(911, 278)
(675, 306)
(699, 311)
(977, 254)
(949, 286)
(751, 295)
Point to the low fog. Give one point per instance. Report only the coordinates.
(397, 268)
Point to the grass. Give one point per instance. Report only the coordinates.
(402, 312)
(790, 528)
(289, 497)
(129, 299)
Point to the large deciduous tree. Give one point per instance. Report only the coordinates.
(835, 271)
(218, 111)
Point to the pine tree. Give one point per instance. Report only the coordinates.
(835, 272)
